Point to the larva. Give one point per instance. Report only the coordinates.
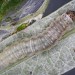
(46, 39)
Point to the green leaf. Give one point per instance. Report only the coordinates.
(22, 26)
(7, 5)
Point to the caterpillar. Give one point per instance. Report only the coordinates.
(42, 41)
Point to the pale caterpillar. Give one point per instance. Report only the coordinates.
(46, 39)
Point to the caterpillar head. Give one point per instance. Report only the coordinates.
(71, 14)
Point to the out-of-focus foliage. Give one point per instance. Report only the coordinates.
(1, 1)
(6, 5)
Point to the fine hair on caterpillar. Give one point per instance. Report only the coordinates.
(46, 39)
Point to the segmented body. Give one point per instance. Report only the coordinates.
(37, 43)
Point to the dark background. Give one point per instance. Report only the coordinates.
(71, 72)
(54, 5)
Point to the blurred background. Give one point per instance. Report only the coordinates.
(54, 5)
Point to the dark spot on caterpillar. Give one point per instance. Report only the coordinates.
(30, 72)
(74, 49)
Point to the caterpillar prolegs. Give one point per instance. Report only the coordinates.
(46, 39)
